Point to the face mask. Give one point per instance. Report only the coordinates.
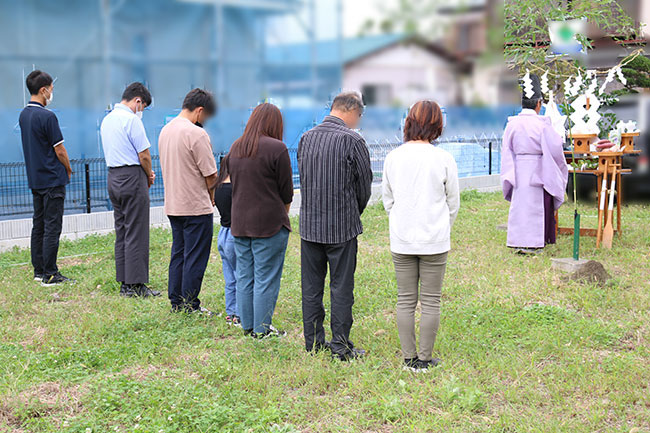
(138, 112)
(50, 98)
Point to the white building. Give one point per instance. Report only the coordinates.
(401, 72)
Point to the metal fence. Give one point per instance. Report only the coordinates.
(475, 155)
(87, 191)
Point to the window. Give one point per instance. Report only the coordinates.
(377, 94)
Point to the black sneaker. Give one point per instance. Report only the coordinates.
(127, 291)
(248, 332)
(54, 280)
(411, 364)
(350, 355)
(320, 347)
(38, 276)
(143, 291)
(423, 366)
(270, 332)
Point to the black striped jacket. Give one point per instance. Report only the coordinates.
(335, 182)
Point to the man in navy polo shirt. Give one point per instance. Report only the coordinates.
(48, 172)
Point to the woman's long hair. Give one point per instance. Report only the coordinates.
(266, 119)
(224, 172)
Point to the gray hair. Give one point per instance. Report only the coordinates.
(348, 101)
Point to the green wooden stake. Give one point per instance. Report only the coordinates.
(576, 235)
(576, 215)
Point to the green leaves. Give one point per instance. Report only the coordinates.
(526, 34)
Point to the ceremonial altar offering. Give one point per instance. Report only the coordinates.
(584, 95)
(608, 172)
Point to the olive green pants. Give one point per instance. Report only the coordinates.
(426, 274)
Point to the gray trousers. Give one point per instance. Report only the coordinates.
(427, 272)
(128, 190)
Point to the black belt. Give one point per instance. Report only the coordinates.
(124, 166)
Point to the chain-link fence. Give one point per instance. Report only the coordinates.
(475, 155)
(87, 191)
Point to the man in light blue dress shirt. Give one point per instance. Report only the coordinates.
(126, 149)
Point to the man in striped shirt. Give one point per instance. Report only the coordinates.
(335, 181)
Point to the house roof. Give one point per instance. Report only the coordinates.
(462, 6)
(348, 50)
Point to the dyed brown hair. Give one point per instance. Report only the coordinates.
(266, 120)
(424, 122)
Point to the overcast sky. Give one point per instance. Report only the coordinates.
(356, 12)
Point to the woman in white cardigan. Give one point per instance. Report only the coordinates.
(420, 194)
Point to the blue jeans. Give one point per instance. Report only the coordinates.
(259, 271)
(192, 239)
(226, 247)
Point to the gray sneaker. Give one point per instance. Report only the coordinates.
(202, 311)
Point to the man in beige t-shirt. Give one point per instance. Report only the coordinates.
(189, 174)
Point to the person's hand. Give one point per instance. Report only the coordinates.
(69, 174)
(152, 178)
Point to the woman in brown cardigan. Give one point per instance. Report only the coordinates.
(262, 191)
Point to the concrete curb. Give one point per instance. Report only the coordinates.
(16, 233)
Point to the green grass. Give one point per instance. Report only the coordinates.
(523, 348)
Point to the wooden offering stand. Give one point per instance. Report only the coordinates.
(607, 161)
(627, 140)
(581, 142)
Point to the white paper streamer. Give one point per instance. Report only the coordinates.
(593, 84)
(558, 120)
(621, 77)
(627, 127)
(544, 83)
(568, 87)
(577, 84)
(608, 79)
(528, 86)
(590, 125)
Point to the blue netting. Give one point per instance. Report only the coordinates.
(240, 52)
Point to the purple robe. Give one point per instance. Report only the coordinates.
(532, 162)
